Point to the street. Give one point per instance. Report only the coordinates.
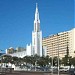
(28, 73)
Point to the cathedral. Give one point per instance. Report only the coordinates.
(36, 46)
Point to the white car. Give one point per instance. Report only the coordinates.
(63, 69)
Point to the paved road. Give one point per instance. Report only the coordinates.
(30, 73)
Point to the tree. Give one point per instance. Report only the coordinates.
(73, 61)
(47, 59)
(15, 60)
(44, 61)
(55, 61)
(64, 60)
(26, 59)
(6, 59)
(36, 58)
(67, 61)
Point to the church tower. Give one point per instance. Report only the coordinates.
(37, 35)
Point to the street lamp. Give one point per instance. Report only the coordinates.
(52, 58)
(1, 63)
(58, 52)
(67, 54)
(35, 65)
(74, 53)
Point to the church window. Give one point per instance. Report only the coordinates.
(35, 26)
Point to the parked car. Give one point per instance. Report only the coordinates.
(72, 71)
(61, 69)
(64, 69)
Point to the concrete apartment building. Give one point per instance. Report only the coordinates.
(61, 41)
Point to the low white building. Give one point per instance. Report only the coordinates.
(28, 50)
(19, 54)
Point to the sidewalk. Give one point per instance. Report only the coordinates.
(59, 74)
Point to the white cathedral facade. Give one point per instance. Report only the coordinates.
(36, 46)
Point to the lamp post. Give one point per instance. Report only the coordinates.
(67, 50)
(58, 52)
(1, 64)
(74, 53)
(35, 65)
(52, 58)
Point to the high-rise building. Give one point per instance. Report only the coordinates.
(63, 42)
(37, 35)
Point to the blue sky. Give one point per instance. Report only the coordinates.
(17, 20)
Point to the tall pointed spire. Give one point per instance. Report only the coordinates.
(37, 20)
(36, 13)
(36, 5)
(37, 35)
